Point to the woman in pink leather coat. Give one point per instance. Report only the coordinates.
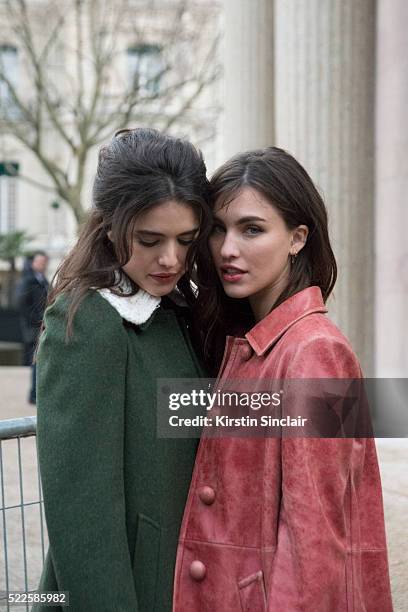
(278, 524)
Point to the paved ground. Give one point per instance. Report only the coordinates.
(393, 455)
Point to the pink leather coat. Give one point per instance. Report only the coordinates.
(285, 525)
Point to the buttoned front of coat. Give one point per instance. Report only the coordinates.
(285, 524)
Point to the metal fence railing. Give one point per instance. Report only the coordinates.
(22, 524)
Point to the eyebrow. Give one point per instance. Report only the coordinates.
(242, 220)
(152, 233)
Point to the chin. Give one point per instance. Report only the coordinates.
(160, 291)
(237, 293)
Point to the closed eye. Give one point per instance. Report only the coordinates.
(152, 243)
(147, 243)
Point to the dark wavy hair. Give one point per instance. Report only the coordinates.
(138, 169)
(285, 183)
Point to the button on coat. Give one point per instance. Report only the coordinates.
(207, 495)
(197, 570)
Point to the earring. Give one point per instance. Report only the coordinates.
(293, 257)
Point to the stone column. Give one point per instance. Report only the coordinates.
(324, 97)
(391, 242)
(247, 50)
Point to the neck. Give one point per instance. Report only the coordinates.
(263, 302)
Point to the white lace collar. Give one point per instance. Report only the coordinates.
(136, 308)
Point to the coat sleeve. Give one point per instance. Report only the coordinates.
(81, 406)
(309, 568)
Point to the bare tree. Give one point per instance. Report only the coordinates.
(76, 89)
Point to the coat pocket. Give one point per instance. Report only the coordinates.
(146, 561)
(252, 593)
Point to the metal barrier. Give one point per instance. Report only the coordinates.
(21, 512)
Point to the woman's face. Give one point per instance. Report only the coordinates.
(162, 236)
(251, 248)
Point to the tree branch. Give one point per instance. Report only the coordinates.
(79, 108)
(23, 32)
(11, 170)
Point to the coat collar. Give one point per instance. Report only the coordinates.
(136, 309)
(268, 331)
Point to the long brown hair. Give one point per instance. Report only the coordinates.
(138, 169)
(285, 183)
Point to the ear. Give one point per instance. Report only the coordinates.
(109, 235)
(299, 237)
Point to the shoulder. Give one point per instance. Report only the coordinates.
(317, 326)
(319, 349)
(94, 317)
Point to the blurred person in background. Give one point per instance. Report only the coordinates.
(32, 293)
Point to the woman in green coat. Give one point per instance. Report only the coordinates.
(114, 492)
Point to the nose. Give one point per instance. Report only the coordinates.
(169, 256)
(229, 247)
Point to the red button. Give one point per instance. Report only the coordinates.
(197, 570)
(207, 495)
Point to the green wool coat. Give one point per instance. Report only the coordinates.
(114, 493)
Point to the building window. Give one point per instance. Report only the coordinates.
(145, 68)
(8, 196)
(8, 67)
